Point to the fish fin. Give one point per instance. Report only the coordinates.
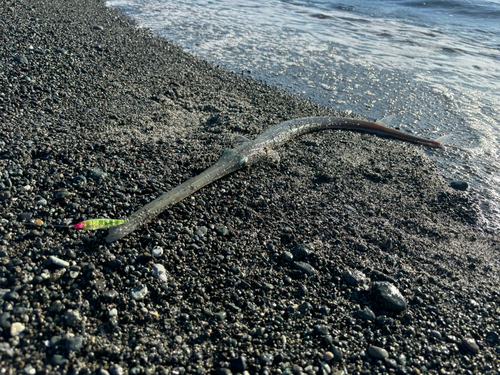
(385, 120)
(239, 139)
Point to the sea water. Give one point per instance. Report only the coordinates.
(434, 65)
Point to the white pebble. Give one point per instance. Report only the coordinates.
(16, 328)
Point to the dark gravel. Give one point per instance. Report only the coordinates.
(351, 255)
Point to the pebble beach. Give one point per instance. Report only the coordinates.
(352, 255)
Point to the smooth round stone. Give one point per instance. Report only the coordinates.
(377, 352)
(11, 296)
(21, 59)
(113, 312)
(29, 370)
(328, 356)
(157, 251)
(303, 250)
(305, 267)
(160, 272)
(16, 329)
(178, 339)
(288, 256)
(116, 370)
(389, 296)
(471, 345)
(459, 185)
(139, 292)
(97, 174)
(58, 262)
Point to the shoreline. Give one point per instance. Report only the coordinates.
(275, 268)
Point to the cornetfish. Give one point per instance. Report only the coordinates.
(250, 152)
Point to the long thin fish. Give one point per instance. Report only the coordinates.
(251, 152)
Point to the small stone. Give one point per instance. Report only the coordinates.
(21, 59)
(366, 314)
(435, 334)
(5, 320)
(223, 371)
(72, 318)
(160, 272)
(16, 329)
(222, 231)
(29, 370)
(201, 231)
(6, 349)
(305, 267)
(389, 296)
(97, 174)
(113, 312)
(459, 185)
(288, 256)
(97, 27)
(266, 358)
(377, 352)
(328, 356)
(355, 277)
(110, 295)
(58, 262)
(305, 307)
(157, 251)
(321, 329)
(303, 250)
(325, 310)
(239, 363)
(61, 194)
(471, 345)
(139, 292)
(221, 315)
(116, 370)
(4, 195)
(178, 339)
(41, 202)
(337, 353)
(80, 181)
(74, 343)
(11, 296)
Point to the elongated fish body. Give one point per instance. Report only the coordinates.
(251, 152)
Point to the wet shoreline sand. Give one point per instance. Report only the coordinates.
(274, 268)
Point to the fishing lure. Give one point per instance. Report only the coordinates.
(98, 224)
